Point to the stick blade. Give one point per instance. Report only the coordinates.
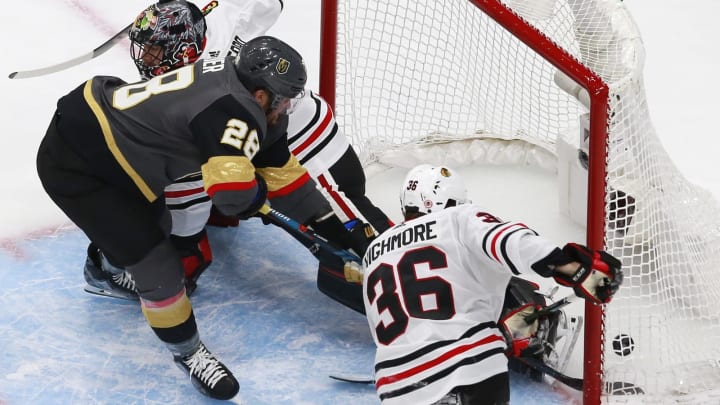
(354, 379)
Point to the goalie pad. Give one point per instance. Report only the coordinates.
(332, 283)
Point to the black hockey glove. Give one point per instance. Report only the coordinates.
(598, 277)
(258, 201)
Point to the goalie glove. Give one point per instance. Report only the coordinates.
(598, 277)
(353, 272)
(517, 331)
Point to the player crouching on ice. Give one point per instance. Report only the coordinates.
(434, 288)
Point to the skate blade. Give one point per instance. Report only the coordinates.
(109, 293)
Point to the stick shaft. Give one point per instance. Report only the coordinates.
(104, 47)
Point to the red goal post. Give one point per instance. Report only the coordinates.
(404, 74)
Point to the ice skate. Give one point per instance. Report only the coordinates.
(104, 279)
(208, 374)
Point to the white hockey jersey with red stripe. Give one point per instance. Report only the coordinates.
(434, 289)
(313, 135)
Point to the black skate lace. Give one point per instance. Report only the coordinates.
(205, 367)
(124, 280)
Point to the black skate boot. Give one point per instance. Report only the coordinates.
(105, 279)
(208, 374)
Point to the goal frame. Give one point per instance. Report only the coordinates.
(598, 92)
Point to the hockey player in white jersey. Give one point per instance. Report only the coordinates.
(434, 291)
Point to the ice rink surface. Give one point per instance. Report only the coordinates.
(257, 308)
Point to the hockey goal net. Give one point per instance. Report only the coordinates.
(408, 75)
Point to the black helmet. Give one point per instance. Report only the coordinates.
(178, 27)
(271, 64)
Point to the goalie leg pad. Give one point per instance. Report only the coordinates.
(333, 284)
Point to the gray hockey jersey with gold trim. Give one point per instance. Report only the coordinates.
(167, 127)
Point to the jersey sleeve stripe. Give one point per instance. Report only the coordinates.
(487, 236)
(184, 193)
(187, 203)
(494, 244)
(320, 146)
(289, 188)
(316, 134)
(312, 122)
(503, 251)
(231, 186)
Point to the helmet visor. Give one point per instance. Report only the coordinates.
(285, 105)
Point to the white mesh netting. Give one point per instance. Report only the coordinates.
(412, 73)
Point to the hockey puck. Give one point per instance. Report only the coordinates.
(623, 345)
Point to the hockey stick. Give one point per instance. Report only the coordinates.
(538, 365)
(353, 379)
(319, 247)
(611, 387)
(104, 47)
(331, 277)
(554, 307)
(535, 364)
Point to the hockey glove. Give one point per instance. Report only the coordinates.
(598, 277)
(258, 201)
(353, 272)
(517, 332)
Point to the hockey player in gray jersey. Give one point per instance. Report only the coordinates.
(167, 36)
(313, 135)
(435, 287)
(112, 148)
